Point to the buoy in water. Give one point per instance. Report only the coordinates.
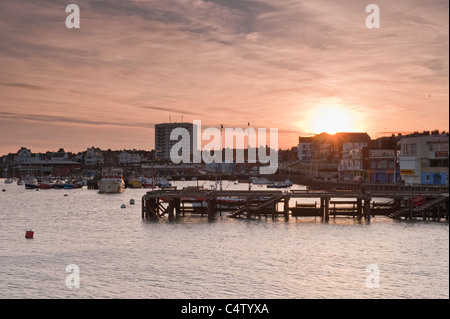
(132, 201)
(123, 206)
(3, 190)
(29, 234)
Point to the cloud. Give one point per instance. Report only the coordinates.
(70, 120)
(133, 63)
(24, 86)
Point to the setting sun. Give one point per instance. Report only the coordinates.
(332, 118)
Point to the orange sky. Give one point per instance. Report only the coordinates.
(299, 66)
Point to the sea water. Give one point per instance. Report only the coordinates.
(117, 254)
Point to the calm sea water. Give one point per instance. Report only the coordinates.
(119, 255)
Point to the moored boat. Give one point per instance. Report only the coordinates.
(59, 184)
(46, 185)
(31, 183)
(134, 183)
(286, 184)
(111, 182)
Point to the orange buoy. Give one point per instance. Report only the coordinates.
(29, 234)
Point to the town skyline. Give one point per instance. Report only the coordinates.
(57, 149)
(303, 67)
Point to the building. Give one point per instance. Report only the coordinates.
(424, 158)
(305, 149)
(351, 165)
(129, 158)
(381, 165)
(328, 155)
(163, 143)
(93, 156)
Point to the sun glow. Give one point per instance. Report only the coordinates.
(332, 119)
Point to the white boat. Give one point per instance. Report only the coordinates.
(111, 182)
(260, 181)
(8, 181)
(147, 182)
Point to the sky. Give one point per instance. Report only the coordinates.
(302, 66)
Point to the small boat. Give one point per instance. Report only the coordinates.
(134, 183)
(260, 181)
(59, 184)
(31, 184)
(72, 185)
(46, 185)
(163, 183)
(111, 182)
(147, 183)
(287, 183)
(19, 182)
(8, 181)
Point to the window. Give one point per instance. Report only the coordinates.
(407, 148)
(427, 177)
(431, 147)
(413, 149)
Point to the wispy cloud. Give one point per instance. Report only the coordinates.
(24, 86)
(136, 62)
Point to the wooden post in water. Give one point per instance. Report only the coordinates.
(171, 208)
(327, 208)
(286, 208)
(249, 200)
(446, 209)
(211, 201)
(177, 207)
(359, 207)
(410, 207)
(322, 207)
(439, 212)
(367, 208)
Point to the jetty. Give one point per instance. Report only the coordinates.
(397, 203)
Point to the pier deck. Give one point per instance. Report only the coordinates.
(408, 204)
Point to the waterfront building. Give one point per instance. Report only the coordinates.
(163, 143)
(424, 158)
(129, 158)
(351, 165)
(94, 156)
(381, 165)
(305, 149)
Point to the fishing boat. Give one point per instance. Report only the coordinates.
(31, 183)
(46, 185)
(134, 183)
(59, 184)
(163, 182)
(72, 184)
(286, 184)
(147, 182)
(260, 181)
(111, 182)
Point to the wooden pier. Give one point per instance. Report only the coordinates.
(407, 204)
